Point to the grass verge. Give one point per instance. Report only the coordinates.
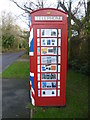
(76, 93)
(76, 100)
(18, 70)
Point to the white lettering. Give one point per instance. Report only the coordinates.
(48, 18)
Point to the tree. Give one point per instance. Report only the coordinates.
(11, 33)
(74, 15)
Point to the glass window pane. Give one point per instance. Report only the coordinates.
(48, 68)
(48, 32)
(38, 42)
(49, 76)
(48, 51)
(38, 92)
(38, 84)
(59, 32)
(38, 76)
(58, 76)
(59, 61)
(58, 83)
(38, 50)
(59, 42)
(38, 59)
(48, 59)
(48, 41)
(48, 93)
(38, 68)
(58, 68)
(37, 32)
(59, 51)
(48, 84)
(58, 92)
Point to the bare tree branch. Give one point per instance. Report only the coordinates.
(72, 15)
(20, 6)
(80, 3)
(85, 6)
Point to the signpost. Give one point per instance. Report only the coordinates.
(48, 57)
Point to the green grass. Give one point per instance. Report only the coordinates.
(18, 70)
(76, 93)
(76, 100)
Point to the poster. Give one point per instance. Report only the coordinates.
(48, 32)
(48, 84)
(48, 41)
(49, 76)
(48, 68)
(48, 50)
(48, 93)
(48, 59)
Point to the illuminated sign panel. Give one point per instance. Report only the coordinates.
(51, 18)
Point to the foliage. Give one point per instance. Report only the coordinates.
(8, 41)
(79, 54)
(12, 35)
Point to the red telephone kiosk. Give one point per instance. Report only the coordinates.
(48, 57)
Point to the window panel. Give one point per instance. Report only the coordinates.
(48, 84)
(38, 42)
(48, 32)
(58, 92)
(59, 59)
(48, 50)
(38, 50)
(38, 92)
(38, 76)
(48, 93)
(59, 42)
(48, 41)
(59, 51)
(59, 32)
(48, 76)
(38, 84)
(38, 59)
(37, 32)
(38, 68)
(58, 76)
(58, 68)
(48, 59)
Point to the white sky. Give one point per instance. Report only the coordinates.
(8, 6)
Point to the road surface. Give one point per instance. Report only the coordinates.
(15, 97)
(9, 58)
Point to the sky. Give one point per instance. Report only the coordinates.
(8, 6)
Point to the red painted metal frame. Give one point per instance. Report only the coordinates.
(57, 100)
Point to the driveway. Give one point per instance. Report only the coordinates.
(15, 96)
(9, 58)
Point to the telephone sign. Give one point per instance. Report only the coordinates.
(48, 57)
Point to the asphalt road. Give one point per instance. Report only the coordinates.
(9, 58)
(15, 96)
